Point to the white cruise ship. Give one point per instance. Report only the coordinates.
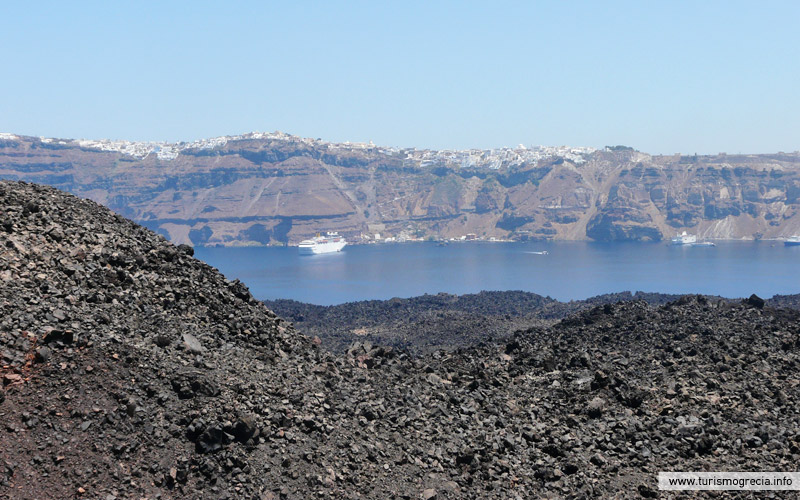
(684, 239)
(331, 242)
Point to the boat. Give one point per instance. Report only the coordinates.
(684, 239)
(792, 241)
(329, 243)
(543, 252)
(704, 244)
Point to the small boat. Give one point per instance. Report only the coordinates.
(543, 252)
(684, 239)
(331, 242)
(792, 241)
(704, 244)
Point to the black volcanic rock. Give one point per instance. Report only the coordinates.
(756, 301)
(105, 321)
(591, 406)
(424, 324)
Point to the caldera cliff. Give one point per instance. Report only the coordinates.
(268, 188)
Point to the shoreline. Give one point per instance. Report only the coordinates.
(448, 242)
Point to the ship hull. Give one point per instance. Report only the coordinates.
(321, 248)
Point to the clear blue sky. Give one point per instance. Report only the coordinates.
(664, 77)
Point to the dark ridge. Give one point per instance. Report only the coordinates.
(422, 325)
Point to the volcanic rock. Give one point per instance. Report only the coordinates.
(756, 301)
(262, 412)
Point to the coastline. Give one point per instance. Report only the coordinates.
(445, 242)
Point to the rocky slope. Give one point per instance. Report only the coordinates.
(422, 325)
(131, 370)
(113, 342)
(276, 188)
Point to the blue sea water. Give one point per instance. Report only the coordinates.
(570, 270)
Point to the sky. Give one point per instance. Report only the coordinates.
(660, 76)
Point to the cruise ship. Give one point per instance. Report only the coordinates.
(684, 239)
(331, 242)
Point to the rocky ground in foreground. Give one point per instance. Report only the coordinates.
(132, 370)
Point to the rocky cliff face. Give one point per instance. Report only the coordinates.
(259, 189)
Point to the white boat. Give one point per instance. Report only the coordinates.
(792, 241)
(704, 244)
(684, 239)
(331, 242)
(543, 252)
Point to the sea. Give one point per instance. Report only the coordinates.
(561, 270)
